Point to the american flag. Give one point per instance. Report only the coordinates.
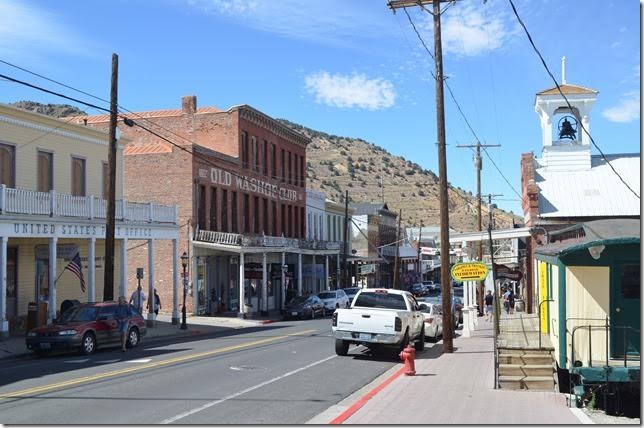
(76, 267)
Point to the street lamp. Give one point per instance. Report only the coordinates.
(184, 263)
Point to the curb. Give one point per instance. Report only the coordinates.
(583, 418)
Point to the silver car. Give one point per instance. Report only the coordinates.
(334, 299)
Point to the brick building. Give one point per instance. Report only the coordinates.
(238, 178)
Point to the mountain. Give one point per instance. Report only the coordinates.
(336, 164)
(54, 110)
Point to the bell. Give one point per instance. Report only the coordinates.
(566, 130)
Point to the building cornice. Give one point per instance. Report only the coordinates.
(262, 120)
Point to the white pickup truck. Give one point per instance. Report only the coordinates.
(379, 317)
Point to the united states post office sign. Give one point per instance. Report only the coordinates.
(472, 271)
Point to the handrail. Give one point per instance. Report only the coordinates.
(539, 316)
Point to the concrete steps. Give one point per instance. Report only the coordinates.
(526, 369)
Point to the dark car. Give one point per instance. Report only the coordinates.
(418, 290)
(351, 293)
(84, 328)
(304, 307)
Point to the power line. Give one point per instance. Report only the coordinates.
(592, 140)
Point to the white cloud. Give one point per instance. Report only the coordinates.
(615, 45)
(356, 90)
(472, 28)
(29, 32)
(623, 29)
(627, 110)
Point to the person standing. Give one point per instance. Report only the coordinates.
(511, 301)
(506, 301)
(489, 300)
(157, 303)
(122, 317)
(137, 298)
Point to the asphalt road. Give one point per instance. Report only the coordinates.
(280, 373)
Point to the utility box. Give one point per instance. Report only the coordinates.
(36, 315)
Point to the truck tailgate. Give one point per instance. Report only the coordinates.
(367, 321)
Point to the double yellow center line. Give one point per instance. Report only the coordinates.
(114, 373)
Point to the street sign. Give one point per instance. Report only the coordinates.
(474, 271)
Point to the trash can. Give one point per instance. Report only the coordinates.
(36, 315)
(519, 305)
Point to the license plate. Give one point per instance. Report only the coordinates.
(365, 336)
(45, 346)
(294, 314)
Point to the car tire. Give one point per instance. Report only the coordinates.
(133, 337)
(420, 343)
(341, 347)
(88, 343)
(312, 313)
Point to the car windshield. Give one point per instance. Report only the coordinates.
(381, 300)
(327, 295)
(351, 291)
(81, 313)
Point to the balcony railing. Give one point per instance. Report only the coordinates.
(218, 237)
(54, 204)
(262, 241)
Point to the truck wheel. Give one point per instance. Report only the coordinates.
(341, 347)
(404, 342)
(420, 343)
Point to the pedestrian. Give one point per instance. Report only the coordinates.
(506, 301)
(157, 303)
(137, 298)
(122, 317)
(489, 299)
(511, 299)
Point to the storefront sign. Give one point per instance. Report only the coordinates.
(252, 185)
(58, 229)
(469, 271)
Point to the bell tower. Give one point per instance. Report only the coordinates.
(565, 146)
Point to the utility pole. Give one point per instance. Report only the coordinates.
(497, 307)
(478, 163)
(345, 271)
(108, 277)
(446, 281)
(420, 261)
(396, 284)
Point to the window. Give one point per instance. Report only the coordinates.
(273, 162)
(106, 182)
(256, 211)
(7, 165)
(233, 204)
(283, 166)
(303, 172)
(244, 149)
(309, 227)
(265, 156)
(265, 205)
(335, 226)
(328, 228)
(224, 210)
(78, 176)
(283, 215)
(213, 208)
(289, 166)
(45, 171)
(246, 214)
(201, 213)
(273, 223)
(296, 177)
(253, 143)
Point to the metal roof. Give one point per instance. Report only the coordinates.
(596, 192)
(496, 234)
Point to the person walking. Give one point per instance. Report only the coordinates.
(489, 300)
(122, 317)
(137, 298)
(506, 301)
(157, 303)
(511, 299)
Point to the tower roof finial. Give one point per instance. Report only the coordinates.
(563, 70)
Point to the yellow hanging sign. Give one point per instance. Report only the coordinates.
(543, 295)
(474, 271)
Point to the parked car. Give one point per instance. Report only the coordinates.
(304, 307)
(351, 293)
(85, 328)
(334, 299)
(432, 287)
(418, 290)
(379, 317)
(457, 309)
(433, 320)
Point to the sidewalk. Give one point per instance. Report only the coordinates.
(453, 388)
(14, 346)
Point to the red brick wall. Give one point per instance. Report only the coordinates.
(529, 190)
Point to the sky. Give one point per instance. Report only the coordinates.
(349, 68)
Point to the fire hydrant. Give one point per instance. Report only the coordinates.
(408, 355)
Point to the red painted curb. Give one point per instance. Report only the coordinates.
(267, 321)
(363, 400)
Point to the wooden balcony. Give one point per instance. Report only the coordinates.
(54, 204)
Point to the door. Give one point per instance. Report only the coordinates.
(202, 278)
(12, 282)
(106, 327)
(625, 309)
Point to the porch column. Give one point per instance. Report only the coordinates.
(150, 319)
(123, 275)
(91, 270)
(299, 274)
(474, 320)
(327, 287)
(52, 278)
(4, 324)
(338, 273)
(264, 307)
(466, 310)
(242, 311)
(283, 280)
(314, 272)
(175, 283)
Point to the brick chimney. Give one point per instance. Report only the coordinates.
(189, 104)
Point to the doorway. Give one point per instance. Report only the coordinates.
(625, 309)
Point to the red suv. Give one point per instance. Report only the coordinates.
(84, 328)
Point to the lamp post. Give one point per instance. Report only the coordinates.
(184, 263)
